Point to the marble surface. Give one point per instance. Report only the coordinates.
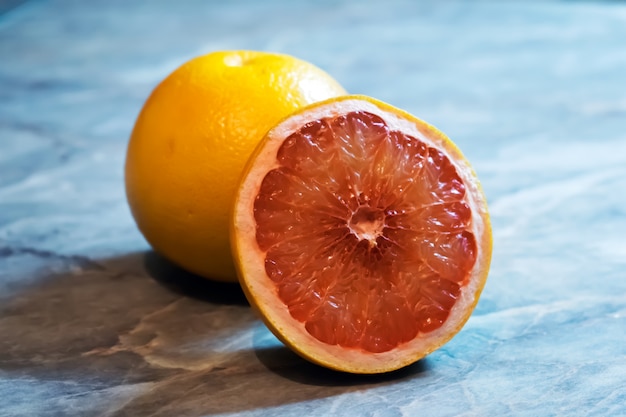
(93, 323)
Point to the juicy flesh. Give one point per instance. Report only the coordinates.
(366, 232)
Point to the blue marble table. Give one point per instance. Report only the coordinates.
(93, 323)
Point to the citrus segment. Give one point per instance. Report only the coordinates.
(362, 235)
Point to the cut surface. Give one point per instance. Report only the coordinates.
(364, 238)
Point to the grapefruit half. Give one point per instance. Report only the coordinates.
(361, 235)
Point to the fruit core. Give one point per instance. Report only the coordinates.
(366, 232)
(367, 224)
